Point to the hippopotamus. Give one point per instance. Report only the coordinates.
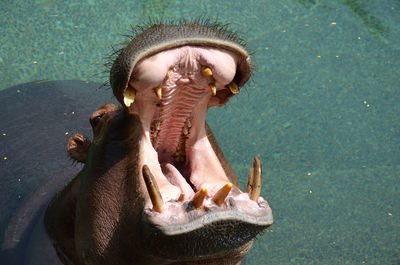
(155, 187)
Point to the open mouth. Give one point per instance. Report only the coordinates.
(171, 92)
(192, 192)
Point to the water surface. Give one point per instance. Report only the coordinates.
(322, 109)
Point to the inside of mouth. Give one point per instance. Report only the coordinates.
(172, 91)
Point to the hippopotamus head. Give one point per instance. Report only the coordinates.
(155, 187)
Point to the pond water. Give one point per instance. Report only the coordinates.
(322, 109)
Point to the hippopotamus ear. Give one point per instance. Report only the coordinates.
(78, 147)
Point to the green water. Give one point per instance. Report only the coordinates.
(322, 109)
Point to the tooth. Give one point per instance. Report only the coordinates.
(179, 157)
(185, 130)
(198, 198)
(154, 129)
(157, 124)
(206, 72)
(152, 189)
(257, 178)
(129, 96)
(233, 88)
(180, 152)
(127, 102)
(169, 73)
(213, 89)
(182, 197)
(249, 187)
(189, 123)
(158, 91)
(220, 196)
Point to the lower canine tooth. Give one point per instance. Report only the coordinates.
(256, 172)
(234, 88)
(198, 198)
(153, 190)
(220, 196)
(249, 187)
(129, 96)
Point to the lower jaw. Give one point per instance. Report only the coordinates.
(206, 234)
(226, 259)
(179, 208)
(190, 252)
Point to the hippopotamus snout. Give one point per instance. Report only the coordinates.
(155, 187)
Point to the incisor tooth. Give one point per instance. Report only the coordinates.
(169, 73)
(129, 96)
(198, 198)
(220, 196)
(158, 91)
(256, 182)
(153, 190)
(213, 89)
(234, 88)
(206, 72)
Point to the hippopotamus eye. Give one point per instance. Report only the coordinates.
(95, 120)
(100, 112)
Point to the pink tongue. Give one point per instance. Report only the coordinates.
(175, 178)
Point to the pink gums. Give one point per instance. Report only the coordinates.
(185, 96)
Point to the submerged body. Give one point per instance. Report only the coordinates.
(155, 187)
(35, 119)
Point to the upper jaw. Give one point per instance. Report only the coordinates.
(210, 226)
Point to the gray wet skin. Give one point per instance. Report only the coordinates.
(155, 187)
